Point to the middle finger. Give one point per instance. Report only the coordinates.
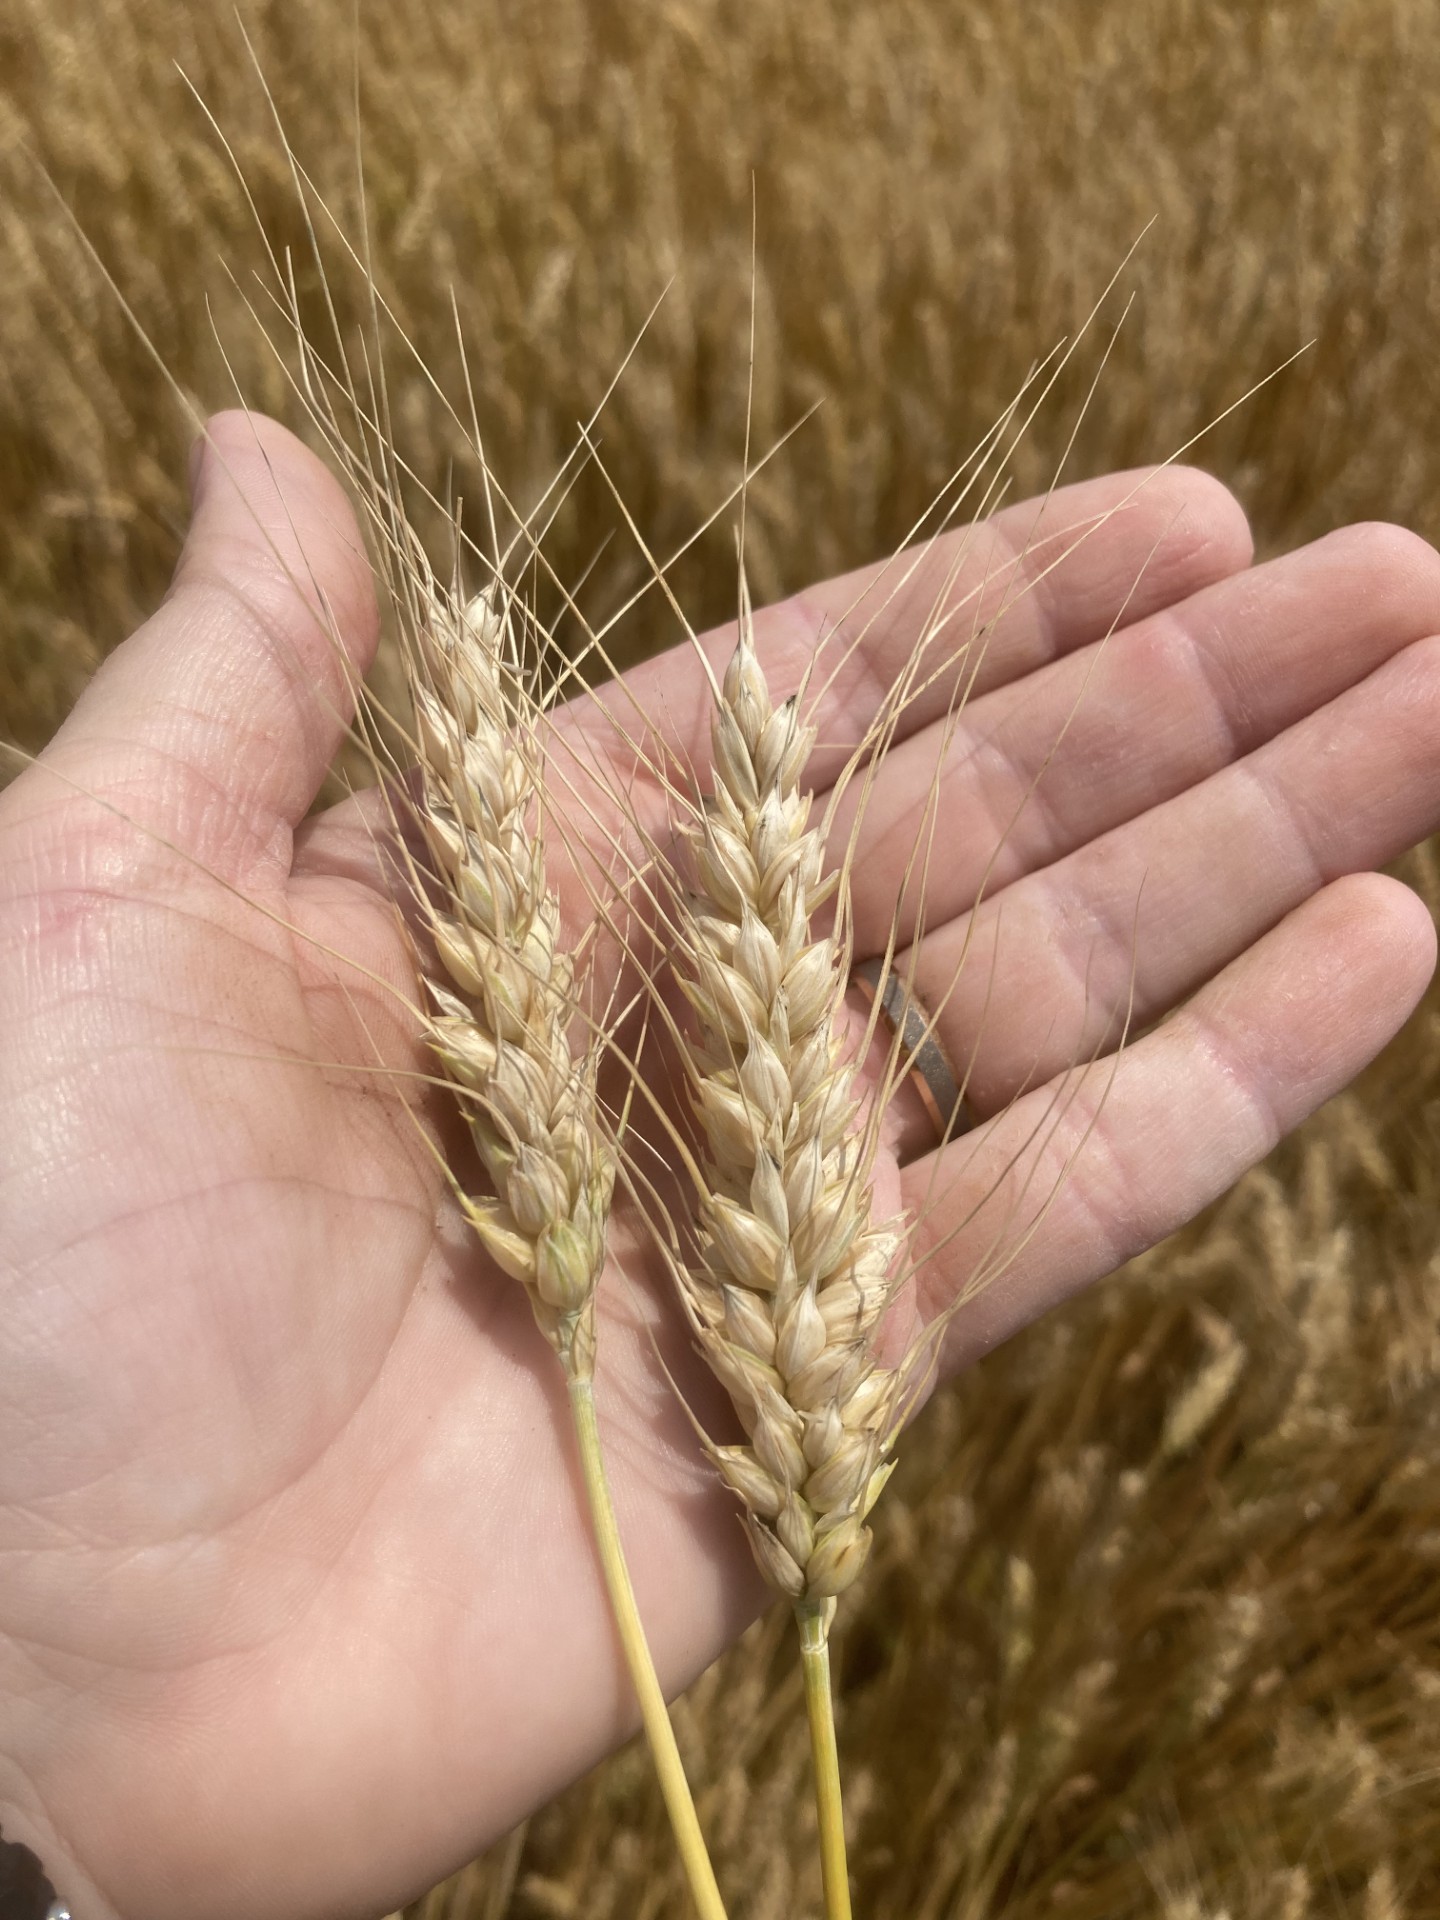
(1035, 770)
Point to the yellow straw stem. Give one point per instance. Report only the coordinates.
(653, 1711)
(814, 1623)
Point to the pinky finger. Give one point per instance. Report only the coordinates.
(1076, 1180)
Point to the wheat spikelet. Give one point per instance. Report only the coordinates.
(506, 1007)
(793, 1277)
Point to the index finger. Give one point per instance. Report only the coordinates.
(1001, 597)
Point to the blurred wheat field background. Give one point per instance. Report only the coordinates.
(1172, 1646)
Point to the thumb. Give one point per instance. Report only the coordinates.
(214, 724)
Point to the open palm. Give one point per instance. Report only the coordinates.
(298, 1605)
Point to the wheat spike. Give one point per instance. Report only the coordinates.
(505, 1009)
(792, 1277)
(502, 1031)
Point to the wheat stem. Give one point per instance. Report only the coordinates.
(661, 1735)
(814, 1623)
(505, 997)
(791, 1276)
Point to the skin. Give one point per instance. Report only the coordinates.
(298, 1608)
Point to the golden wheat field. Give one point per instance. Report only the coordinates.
(1152, 1627)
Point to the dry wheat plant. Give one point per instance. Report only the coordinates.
(1149, 1626)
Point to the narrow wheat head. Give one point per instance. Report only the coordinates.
(793, 1276)
(503, 994)
(504, 1016)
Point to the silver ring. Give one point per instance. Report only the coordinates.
(928, 1065)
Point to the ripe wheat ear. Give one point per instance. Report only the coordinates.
(514, 1041)
(791, 1276)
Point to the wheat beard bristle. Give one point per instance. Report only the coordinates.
(506, 1006)
(792, 1278)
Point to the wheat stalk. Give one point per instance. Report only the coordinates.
(505, 1012)
(793, 1276)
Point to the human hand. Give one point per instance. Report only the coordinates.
(299, 1605)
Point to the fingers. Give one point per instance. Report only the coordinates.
(1084, 1173)
(1034, 583)
(1040, 974)
(214, 724)
(1122, 725)
(1002, 598)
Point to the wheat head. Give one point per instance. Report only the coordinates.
(504, 1000)
(792, 1276)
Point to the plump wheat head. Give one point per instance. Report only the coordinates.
(792, 1276)
(504, 997)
